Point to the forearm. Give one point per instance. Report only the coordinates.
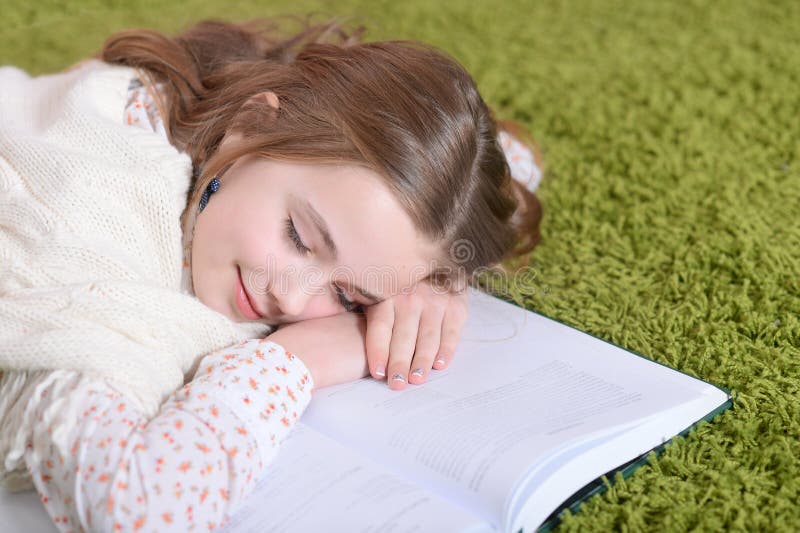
(192, 463)
(333, 348)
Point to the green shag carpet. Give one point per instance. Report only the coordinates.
(671, 135)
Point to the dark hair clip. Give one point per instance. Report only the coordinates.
(211, 189)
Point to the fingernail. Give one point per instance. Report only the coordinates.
(399, 377)
(380, 371)
(417, 372)
(439, 362)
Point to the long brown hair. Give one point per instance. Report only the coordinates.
(404, 109)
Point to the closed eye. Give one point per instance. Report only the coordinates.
(350, 307)
(294, 237)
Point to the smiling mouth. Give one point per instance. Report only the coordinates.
(243, 300)
(248, 309)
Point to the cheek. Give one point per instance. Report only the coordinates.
(260, 250)
(209, 275)
(207, 252)
(248, 230)
(257, 245)
(224, 237)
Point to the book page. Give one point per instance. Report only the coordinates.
(569, 470)
(315, 484)
(521, 387)
(24, 511)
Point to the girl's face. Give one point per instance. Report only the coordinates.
(272, 228)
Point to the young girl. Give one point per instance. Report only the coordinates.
(285, 160)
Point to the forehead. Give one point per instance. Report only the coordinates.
(375, 237)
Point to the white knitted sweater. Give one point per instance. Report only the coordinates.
(91, 243)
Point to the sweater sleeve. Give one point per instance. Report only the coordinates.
(189, 467)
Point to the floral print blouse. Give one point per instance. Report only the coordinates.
(193, 464)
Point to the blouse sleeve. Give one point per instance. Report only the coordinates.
(521, 161)
(189, 467)
(141, 109)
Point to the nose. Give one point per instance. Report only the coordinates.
(292, 301)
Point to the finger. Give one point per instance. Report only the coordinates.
(454, 318)
(428, 339)
(404, 339)
(380, 320)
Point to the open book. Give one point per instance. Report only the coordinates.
(526, 420)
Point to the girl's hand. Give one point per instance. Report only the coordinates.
(408, 334)
(331, 347)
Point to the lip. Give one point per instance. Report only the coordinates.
(243, 301)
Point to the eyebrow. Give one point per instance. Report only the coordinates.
(322, 227)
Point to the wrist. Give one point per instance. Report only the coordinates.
(333, 348)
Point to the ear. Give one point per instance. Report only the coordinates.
(266, 97)
(270, 97)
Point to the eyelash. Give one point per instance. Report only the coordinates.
(295, 237)
(291, 231)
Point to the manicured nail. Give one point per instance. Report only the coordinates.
(380, 371)
(439, 362)
(399, 377)
(417, 372)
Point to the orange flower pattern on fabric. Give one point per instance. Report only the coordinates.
(141, 109)
(189, 467)
(186, 469)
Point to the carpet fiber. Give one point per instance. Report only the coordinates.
(671, 135)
